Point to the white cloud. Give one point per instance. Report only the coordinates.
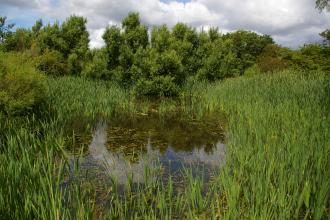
(96, 37)
(290, 22)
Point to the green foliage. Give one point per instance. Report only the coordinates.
(313, 57)
(49, 37)
(168, 64)
(185, 42)
(247, 46)
(51, 62)
(97, 68)
(274, 58)
(232, 54)
(175, 54)
(277, 147)
(75, 64)
(252, 71)
(74, 34)
(37, 27)
(273, 122)
(5, 30)
(113, 40)
(214, 34)
(20, 40)
(21, 86)
(221, 63)
(158, 86)
(69, 40)
(160, 38)
(135, 35)
(323, 4)
(326, 35)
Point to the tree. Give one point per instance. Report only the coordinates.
(5, 29)
(135, 35)
(185, 42)
(160, 38)
(274, 58)
(214, 33)
(113, 41)
(50, 37)
(75, 35)
(37, 27)
(97, 67)
(323, 4)
(326, 34)
(20, 40)
(21, 86)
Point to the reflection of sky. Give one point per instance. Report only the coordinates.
(119, 168)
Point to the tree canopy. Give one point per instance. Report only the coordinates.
(159, 60)
(323, 4)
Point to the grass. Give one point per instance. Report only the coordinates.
(277, 146)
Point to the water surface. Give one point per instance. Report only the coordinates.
(123, 147)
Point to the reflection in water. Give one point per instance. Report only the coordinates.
(124, 147)
(115, 163)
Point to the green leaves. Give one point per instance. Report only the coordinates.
(21, 86)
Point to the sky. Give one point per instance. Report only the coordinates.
(291, 23)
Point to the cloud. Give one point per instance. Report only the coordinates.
(290, 22)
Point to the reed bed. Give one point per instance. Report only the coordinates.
(277, 153)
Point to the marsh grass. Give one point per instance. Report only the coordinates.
(277, 153)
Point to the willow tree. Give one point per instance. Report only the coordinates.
(5, 30)
(323, 4)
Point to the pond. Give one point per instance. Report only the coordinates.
(121, 148)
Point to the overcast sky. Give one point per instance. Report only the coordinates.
(291, 22)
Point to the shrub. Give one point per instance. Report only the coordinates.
(74, 64)
(252, 71)
(52, 63)
(221, 63)
(21, 86)
(97, 68)
(313, 57)
(274, 58)
(158, 86)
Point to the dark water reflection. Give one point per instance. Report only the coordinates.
(123, 147)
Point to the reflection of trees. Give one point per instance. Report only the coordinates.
(131, 135)
(77, 130)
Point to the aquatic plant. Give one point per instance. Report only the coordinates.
(277, 154)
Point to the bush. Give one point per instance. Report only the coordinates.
(21, 86)
(274, 58)
(313, 57)
(252, 71)
(51, 62)
(74, 64)
(97, 68)
(158, 86)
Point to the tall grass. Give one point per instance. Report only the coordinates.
(31, 173)
(277, 165)
(278, 145)
(80, 96)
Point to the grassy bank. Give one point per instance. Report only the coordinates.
(278, 147)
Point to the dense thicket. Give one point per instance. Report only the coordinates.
(159, 60)
(21, 86)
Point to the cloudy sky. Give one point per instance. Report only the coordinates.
(291, 22)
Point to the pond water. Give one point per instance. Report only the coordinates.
(124, 146)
